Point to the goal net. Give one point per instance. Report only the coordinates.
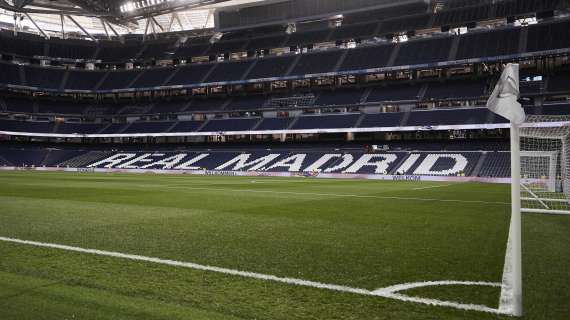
(545, 164)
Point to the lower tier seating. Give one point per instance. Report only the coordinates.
(309, 160)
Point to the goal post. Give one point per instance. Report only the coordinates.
(545, 165)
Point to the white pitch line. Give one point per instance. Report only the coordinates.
(388, 292)
(431, 187)
(340, 195)
(278, 181)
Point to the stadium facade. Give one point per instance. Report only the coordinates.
(383, 88)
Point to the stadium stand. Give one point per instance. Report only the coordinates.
(406, 67)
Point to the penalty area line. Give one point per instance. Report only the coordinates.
(337, 195)
(391, 292)
(432, 187)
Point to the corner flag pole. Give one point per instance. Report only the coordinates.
(503, 101)
(515, 228)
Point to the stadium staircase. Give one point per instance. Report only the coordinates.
(172, 126)
(293, 65)
(22, 76)
(394, 55)
(251, 66)
(5, 162)
(103, 78)
(3, 106)
(359, 121)
(202, 125)
(405, 118)
(340, 61)
(104, 128)
(172, 75)
(523, 40)
(479, 164)
(55, 127)
(453, 51)
(64, 80)
(292, 123)
(85, 159)
(257, 124)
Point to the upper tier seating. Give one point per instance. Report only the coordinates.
(26, 126)
(274, 124)
(118, 80)
(186, 126)
(477, 44)
(83, 80)
(80, 128)
(237, 124)
(559, 83)
(229, 71)
(71, 49)
(394, 93)
(190, 74)
(455, 90)
(424, 51)
(461, 116)
(169, 107)
(112, 51)
(246, 103)
(367, 57)
(548, 36)
(271, 67)
(450, 117)
(382, 120)
(317, 62)
(153, 77)
(19, 105)
(489, 44)
(340, 97)
(354, 31)
(266, 42)
(10, 74)
(326, 121)
(44, 77)
(60, 107)
(148, 127)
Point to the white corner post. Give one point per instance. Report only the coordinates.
(515, 227)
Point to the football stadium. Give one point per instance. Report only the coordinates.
(285, 159)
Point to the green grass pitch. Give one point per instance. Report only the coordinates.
(356, 233)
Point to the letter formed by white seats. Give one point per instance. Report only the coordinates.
(240, 162)
(425, 168)
(381, 165)
(113, 160)
(188, 164)
(166, 163)
(294, 163)
(347, 159)
(143, 159)
(407, 165)
(316, 166)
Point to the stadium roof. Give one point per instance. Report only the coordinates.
(99, 17)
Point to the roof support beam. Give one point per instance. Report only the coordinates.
(158, 24)
(82, 29)
(146, 29)
(105, 28)
(179, 21)
(171, 22)
(113, 29)
(62, 24)
(36, 25)
(153, 28)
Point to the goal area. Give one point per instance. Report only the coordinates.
(545, 164)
